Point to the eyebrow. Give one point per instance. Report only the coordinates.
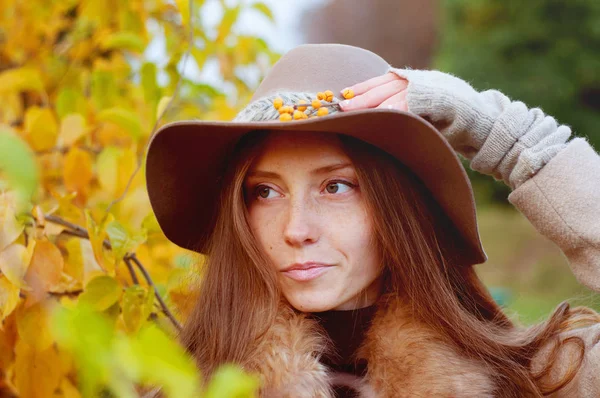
(320, 170)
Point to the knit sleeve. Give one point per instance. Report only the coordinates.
(499, 137)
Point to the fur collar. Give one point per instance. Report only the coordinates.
(405, 359)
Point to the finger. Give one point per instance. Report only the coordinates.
(396, 101)
(373, 97)
(367, 85)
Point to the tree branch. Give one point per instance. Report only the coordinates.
(134, 277)
(164, 307)
(80, 232)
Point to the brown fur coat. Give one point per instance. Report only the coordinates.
(406, 359)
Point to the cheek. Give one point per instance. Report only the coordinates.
(353, 230)
(263, 226)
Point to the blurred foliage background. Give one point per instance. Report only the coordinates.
(91, 292)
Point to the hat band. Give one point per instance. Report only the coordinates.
(263, 109)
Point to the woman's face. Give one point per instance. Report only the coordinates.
(309, 215)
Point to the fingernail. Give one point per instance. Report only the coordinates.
(342, 90)
(345, 103)
(390, 106)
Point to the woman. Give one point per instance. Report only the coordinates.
(340, 248)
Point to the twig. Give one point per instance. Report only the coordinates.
(60, 221)
(164, 307)
(66, 149)
(185, 57)
(80, 232)
(134, 277)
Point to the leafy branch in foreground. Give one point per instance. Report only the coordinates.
(81, 232)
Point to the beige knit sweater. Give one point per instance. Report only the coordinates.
(556, 184)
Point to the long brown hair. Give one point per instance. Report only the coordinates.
(239, 294)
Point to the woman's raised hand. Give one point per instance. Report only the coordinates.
(387, 91)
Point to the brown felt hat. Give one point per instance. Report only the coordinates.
(186, 158)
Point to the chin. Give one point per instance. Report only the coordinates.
(311, 302)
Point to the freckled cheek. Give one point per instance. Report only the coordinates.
(264, 227)
(350, 228)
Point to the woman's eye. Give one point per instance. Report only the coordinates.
(263, 191)
(338, 187)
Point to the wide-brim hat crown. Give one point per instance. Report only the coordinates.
(186, 159)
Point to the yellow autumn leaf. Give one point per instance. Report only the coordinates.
(14, 261)
(229, 18)
(36, 373)
(12, 108)
(72, 128)
(123, 41)
(137, 306)
(182, 6)
(162, 106)
(265, 10)
(41, 128)
(77, 169)
(66, 284)
(115, 166)
(97, 235)
(20, 79)
(81, 263)
(8, 338)
(9, 297)
(10, 227)
(33, 324)
(44, 270)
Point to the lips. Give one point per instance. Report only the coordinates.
(305, 271)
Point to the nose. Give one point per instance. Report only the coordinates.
(301, 227)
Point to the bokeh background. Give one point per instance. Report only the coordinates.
(91, 293)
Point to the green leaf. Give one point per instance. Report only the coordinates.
(18, 165)
(123, 41)
(150, 224)
(265, 10)
(148, 81)
(123, 118)
(101, 292)
(154, 358)
(90, 338)
(231, 381)
(69, 101)
(122, 240)
(104, 88)
(20, 79)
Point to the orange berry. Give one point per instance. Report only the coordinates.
(286, 109)
(328, 95)
(285, 117)
(322, 111)
(316, 104)
(348, 93)
(299, 115)
(301, 108)
(278, 102)
(320, 95)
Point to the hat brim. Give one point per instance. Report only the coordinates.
(185, 160)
